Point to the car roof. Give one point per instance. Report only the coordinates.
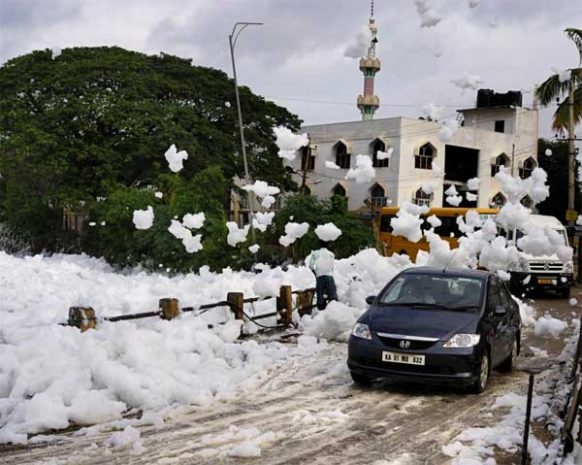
(461, 272)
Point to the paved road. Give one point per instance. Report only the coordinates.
(308, 412)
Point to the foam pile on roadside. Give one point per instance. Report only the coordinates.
(52, 375)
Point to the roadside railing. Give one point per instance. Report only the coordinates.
(85, 317)
(572, 407)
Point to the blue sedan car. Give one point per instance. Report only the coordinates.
(437, 325)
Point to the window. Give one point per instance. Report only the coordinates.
(527, 168)
(422, 198)
(493, 296)
(505, 297)
(379, 146)
(501, 160)
(339, 191)
(378, 196)
(451, 291)
(342, 157)
(424, 158)
(500, 126)
(307, 159)
(498, 200)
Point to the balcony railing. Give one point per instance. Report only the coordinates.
(379, 202)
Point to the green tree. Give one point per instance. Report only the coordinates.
(121, 243)
(95, 122)
(306, 208)
(556, 87)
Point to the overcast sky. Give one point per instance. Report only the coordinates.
(297, 57)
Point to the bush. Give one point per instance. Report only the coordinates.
(305, 208)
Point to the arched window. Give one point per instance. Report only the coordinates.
(501, 160)
(498, 200)
(307, 159)
(422, 198)
(424, 158)
(342, 157)
(379, 146)
(339, 190)
(527, 168)
(527, 202)
(378, 196)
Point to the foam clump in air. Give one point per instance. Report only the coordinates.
(288, 142)
(328, 232)
(236, 235)
(143, 219)
(364, 171)
(175, 158)
(293, 231)
(407, 222)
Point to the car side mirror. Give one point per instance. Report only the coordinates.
(370, 299)
(500, 310)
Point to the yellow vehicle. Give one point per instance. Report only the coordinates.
(448, 230)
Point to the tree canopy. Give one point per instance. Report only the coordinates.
(557, 86)
(305, 208)
(94, 123)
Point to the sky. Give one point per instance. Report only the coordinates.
(296, 58)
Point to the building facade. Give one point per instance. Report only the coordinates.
(490, 137)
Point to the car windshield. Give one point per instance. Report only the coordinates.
(430, 290)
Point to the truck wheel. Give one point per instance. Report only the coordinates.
(565, 292)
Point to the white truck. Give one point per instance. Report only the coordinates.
(544, 272)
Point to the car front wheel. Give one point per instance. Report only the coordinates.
(482, 375)
(361, 379)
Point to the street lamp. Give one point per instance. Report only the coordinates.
(232, 38)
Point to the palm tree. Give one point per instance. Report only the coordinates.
(556, 87)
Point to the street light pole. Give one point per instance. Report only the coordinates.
(232, 38)
(571, 150)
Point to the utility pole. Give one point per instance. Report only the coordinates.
(571, 150)
(232, 38)
(304, 165)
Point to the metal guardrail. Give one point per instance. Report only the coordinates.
(574, 399)
(85, 318)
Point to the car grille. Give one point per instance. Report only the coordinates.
(546, 267)
(414, 345)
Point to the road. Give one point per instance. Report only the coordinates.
(307, 411)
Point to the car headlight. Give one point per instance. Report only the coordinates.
(463, 341)
(362, 331)
(569, 267)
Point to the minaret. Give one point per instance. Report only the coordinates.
(369, 65)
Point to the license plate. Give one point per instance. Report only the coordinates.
(410, 359)
(547, 281)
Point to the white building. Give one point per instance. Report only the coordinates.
(492, 135)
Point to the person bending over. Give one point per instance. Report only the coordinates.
(321, 263)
